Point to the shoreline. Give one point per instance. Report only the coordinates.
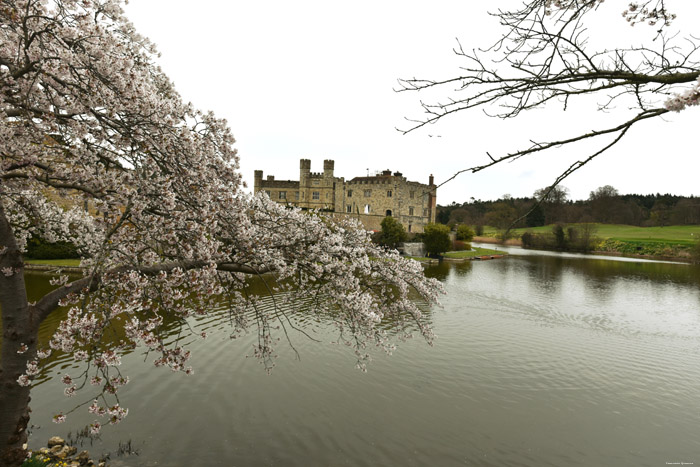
(518, 242)
(52, 267)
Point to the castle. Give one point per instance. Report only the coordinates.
(369, 199)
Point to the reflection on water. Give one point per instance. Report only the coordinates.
(540, 360)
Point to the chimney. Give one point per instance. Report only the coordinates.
(431, 180)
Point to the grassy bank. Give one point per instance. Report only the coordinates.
(459, 255)
(669, 242)
(69, 263)
(675, 234)
(472, 253)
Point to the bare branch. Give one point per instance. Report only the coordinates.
(544, 57)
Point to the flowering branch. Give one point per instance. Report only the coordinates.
(98, 149)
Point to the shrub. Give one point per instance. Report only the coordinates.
(479, 230)
(38, 248)
(559, 236)
(415, 237)
(542, 241)
(436, 238)
(695, 252)
(392, 233)
(582, 237)
(464, 233)
(461, 246)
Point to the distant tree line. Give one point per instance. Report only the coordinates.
(604, 205)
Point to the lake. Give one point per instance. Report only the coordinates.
(541, 359)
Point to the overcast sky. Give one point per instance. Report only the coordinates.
(316, 80)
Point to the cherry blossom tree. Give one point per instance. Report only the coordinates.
(98, 149)
(545, 57)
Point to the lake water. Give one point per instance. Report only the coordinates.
(541, 360)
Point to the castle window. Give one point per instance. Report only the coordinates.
(349, 193)
(349, 208)
(328, 195)
(367, 209)
(425, 212)
(267, 192)
(388, 213)
(388, 194)
(410, 210)
(283, 195)
(316, 195)
(409, 228)
(368, 193)
(315, 182)
(412, 194)
(296, 195)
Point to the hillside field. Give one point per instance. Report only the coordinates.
(677, 234)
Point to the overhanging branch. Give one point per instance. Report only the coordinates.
(50, 301)
(539, 147)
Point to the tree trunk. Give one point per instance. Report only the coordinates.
(19, 327)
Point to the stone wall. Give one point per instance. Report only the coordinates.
(412, 249)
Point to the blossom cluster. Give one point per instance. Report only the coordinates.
(685, 99)
(552, 5)
(115, 415)
(636, 13)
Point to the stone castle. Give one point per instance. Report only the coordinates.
(369, 199)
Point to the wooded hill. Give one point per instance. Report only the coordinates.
(604, 205)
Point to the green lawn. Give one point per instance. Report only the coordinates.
(470, 254)
(678, 234)
(683, 234)
(55, 262)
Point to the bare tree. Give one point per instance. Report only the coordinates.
(544, 56)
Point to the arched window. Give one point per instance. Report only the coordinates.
(388, 213)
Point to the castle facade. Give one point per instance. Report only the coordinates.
(369, 199)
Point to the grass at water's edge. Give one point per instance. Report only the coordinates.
(69, 263)
(472, 253)
(460, 255)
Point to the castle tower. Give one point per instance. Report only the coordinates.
(328, 166)
(257, 185)
(304, 170)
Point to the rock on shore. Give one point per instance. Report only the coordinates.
(58, 451)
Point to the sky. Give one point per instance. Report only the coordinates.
(317, 80)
